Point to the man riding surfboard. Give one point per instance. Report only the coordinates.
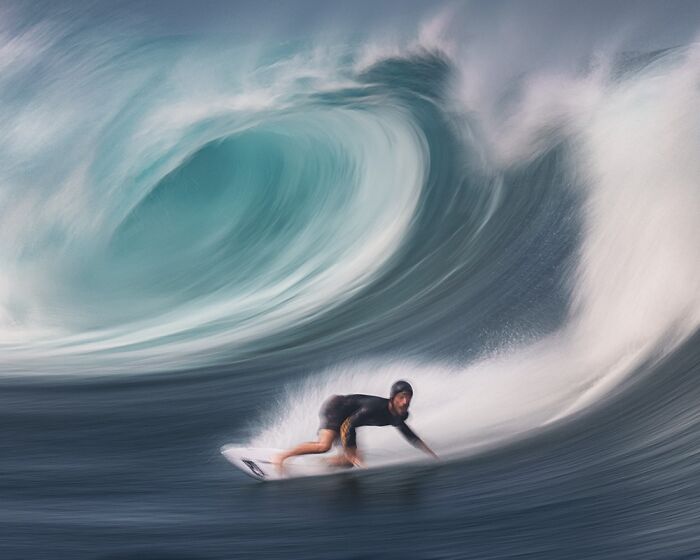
(341, 415)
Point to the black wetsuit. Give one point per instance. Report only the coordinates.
(344, 413)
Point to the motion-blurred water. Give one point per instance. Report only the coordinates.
(202, 237)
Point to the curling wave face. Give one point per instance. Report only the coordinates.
(158, 231)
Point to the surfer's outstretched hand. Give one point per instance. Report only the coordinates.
(423, 446)
(339, 461)
(354, 458)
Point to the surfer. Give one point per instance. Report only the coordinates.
(341, 415)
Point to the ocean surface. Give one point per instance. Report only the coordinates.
(206, 231)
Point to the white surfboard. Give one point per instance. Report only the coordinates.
(257, 463)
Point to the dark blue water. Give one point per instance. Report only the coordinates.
(131, 470)
(203, 235)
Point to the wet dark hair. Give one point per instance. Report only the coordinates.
(400, 387)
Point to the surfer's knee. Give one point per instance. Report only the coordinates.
(323, 446)
(325, 440)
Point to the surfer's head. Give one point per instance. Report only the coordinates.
(400, 396)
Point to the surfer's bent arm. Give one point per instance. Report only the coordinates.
(414, 440)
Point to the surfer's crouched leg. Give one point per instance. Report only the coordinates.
(324, 443)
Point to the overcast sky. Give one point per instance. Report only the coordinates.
(668, 22)
(646, 24)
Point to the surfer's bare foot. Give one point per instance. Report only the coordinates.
(278, 461)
